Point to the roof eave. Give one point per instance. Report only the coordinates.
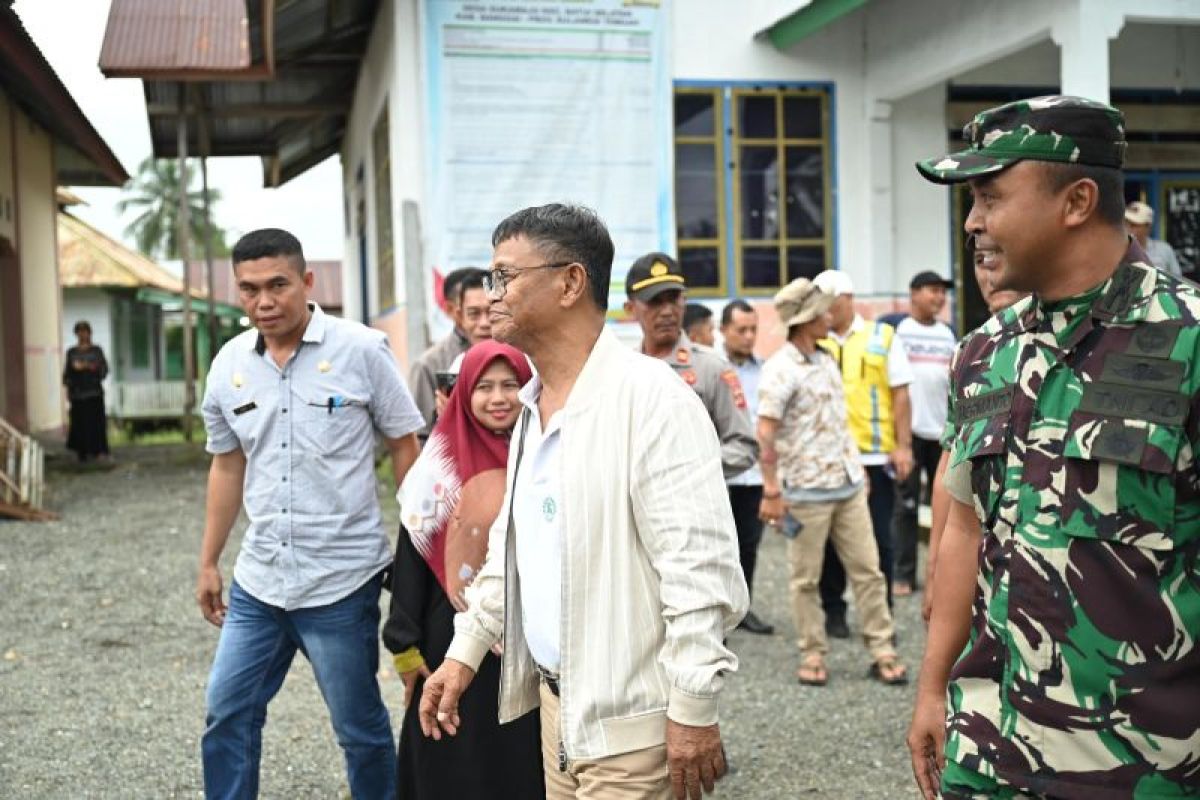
(26, 74)
(801, 24)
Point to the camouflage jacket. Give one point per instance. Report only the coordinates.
(1079, 423)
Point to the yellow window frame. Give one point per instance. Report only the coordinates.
(717, 140)
(781, 141)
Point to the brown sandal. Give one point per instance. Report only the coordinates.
(889, 671)
(812, 672)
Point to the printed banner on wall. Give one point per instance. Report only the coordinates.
(538, 102)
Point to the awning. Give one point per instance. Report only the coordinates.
(256, 77)
(811, 18)
(173, 302)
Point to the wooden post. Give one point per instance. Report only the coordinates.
(205, 146)
(213, 342)
(183, 248)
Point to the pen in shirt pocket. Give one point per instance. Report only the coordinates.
(337, 401)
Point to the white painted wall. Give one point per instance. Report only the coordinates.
(922, 209)
(94, 306)
(889, 63)
(37, 249)
(1146, 56)
(375, 79)
(731, 53)
(1143, 56)
(391, 75)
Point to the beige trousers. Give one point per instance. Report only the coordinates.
(847, 523)
(640, 775)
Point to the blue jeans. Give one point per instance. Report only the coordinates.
(257, 644)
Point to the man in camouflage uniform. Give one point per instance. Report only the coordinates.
(1064, 633)
(655, 289)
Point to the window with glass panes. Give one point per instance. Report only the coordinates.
(753, 201)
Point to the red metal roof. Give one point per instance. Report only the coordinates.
(170, 37)
(326, 291)
(288, 104)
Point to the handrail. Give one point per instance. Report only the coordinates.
(22, 474)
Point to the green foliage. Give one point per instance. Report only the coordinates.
(153, 194)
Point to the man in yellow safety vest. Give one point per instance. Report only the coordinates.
(876, 374)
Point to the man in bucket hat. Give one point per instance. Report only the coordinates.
(814, 486)
(1066, 613)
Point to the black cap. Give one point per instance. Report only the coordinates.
(653, 274)
(929, 278)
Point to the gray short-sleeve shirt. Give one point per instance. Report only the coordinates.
(308, 432)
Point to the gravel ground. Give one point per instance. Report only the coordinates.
(105, 659)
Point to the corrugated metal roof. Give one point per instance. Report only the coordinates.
(88, 258)
(176, 35)
(326, 291)
(288, 106)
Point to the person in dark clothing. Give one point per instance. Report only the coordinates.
(448, 503)
(83, 376)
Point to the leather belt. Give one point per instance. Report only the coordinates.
(549, 678)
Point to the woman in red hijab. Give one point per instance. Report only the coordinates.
(448, 502)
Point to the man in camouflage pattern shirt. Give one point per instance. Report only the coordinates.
(1062, 658)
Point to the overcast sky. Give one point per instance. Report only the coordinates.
(69, 34)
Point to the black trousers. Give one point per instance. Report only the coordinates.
(833, 575)
(88, 431)
(745, 501)
(926, 455)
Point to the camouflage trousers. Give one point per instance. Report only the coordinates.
(959, 783)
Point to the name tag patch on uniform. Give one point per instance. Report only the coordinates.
(1126, 402)
(1144, 373)
(242, 409)
(981, 406)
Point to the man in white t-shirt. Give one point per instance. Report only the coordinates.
(929, 343)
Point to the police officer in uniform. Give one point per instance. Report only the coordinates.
(1063, 657)
(655, 289)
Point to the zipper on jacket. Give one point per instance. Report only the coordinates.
(562, 610)
(510, 544)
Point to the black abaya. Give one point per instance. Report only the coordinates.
(485, 760)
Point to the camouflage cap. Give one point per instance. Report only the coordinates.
(1068, 130)
(801, 301)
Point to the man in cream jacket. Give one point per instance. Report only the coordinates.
(612, 572)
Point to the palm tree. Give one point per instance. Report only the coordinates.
(154, 193)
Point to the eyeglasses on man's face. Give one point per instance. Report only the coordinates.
(496, 282)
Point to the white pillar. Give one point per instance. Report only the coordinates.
(879, 268)
(1082, 32)
(920, 209)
